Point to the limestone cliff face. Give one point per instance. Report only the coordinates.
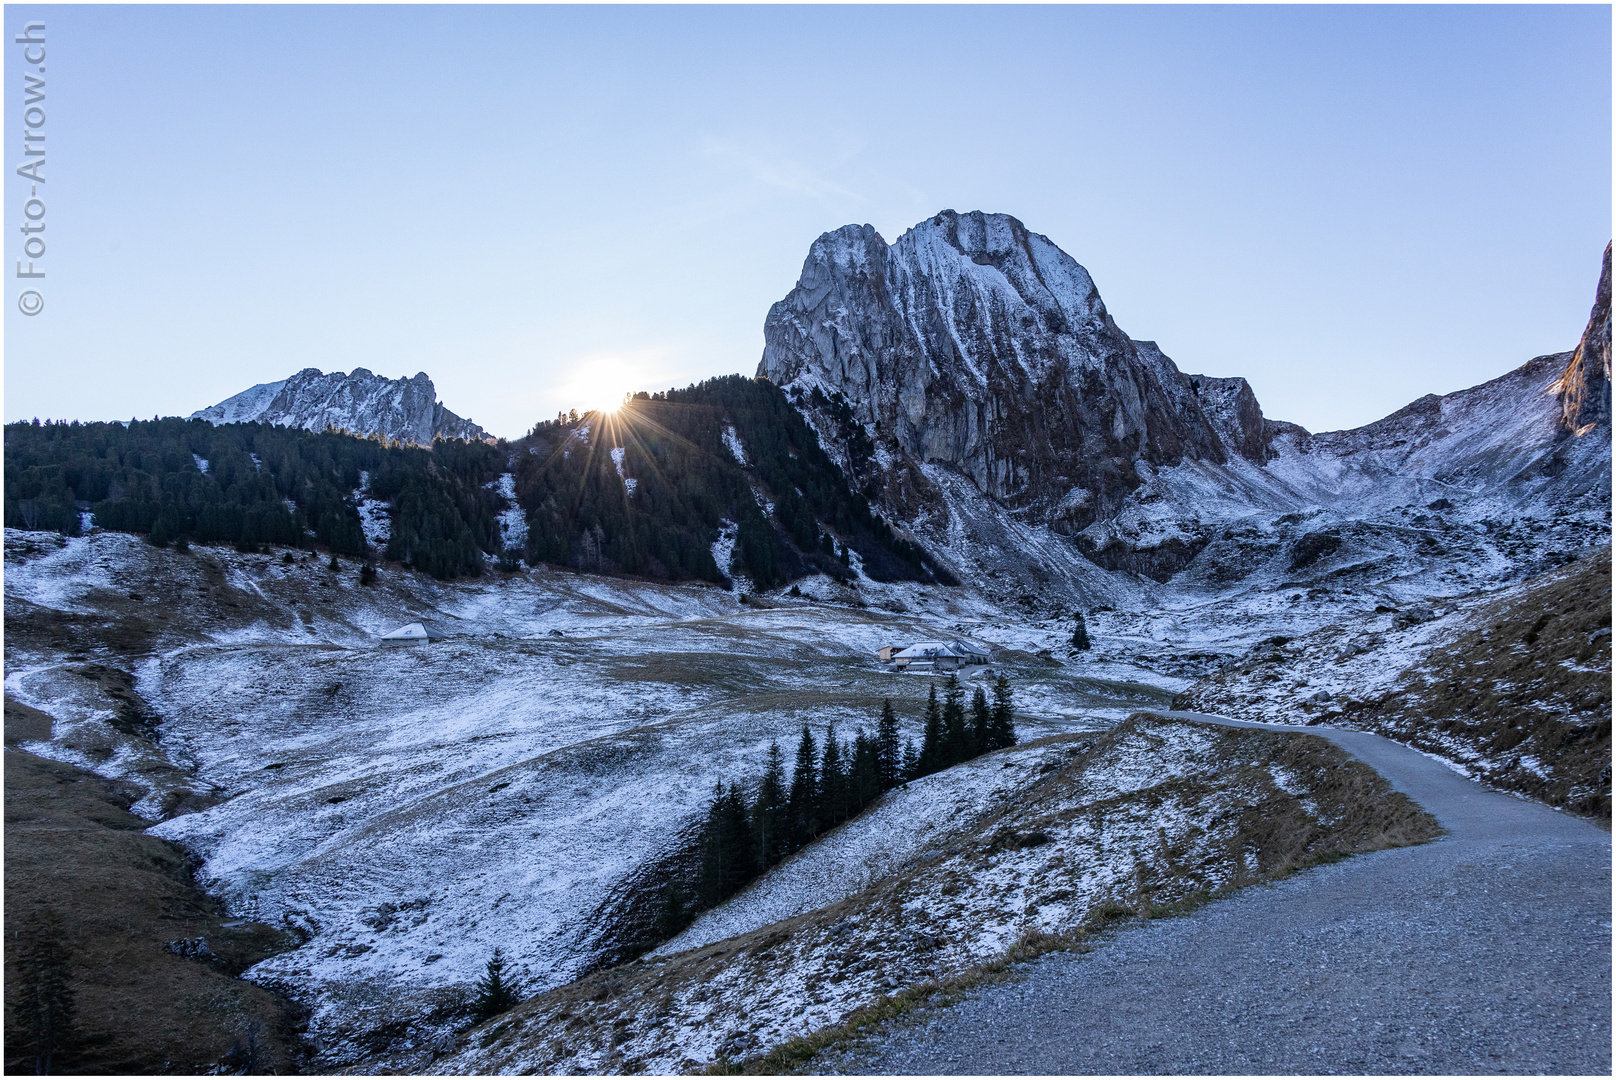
(975, 343)
(404, 410)
(1585, 386)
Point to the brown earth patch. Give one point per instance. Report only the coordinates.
(71, 846)
(24, 723)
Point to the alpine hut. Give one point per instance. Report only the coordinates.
(412, 634)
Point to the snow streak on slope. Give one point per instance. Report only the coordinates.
(512, 520)
(375, 515)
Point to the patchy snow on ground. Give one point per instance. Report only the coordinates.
(501, 785)
(512, 520)
(870, 847)
(375, 515)
(733, 441)
(945, 874)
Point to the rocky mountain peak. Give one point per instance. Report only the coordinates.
(975, 343)
(361, 402)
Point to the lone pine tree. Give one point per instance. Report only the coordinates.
(1080, 632)
(496, 992)
(770, 816)
(832, 784)
(958, 745)
(1003, 729)
(801, 805)
(981, 721)
(865, 774)
(933, 748)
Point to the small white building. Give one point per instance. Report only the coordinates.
(413, 634)
(941, 656)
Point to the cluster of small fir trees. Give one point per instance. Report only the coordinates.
(832, 782)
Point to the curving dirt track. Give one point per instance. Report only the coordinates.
(1487, 951)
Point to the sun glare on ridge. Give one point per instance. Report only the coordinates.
(602, 383)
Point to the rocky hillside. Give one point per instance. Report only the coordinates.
(1147, 819)
(400, 410)
(1584, 390)
(970, 381)
(1514, 687)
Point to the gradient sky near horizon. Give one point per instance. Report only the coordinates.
(544, 207)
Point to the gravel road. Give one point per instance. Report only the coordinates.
(1486, 951)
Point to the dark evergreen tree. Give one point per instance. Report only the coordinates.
(770, 819)
(496, 992)
(957, 742)
(674, 914)
(933, 738)
(889, 755)
(44, 1003)
(727, 861)
(803, 802)
(367, 574)
(1080, 632)
(911, 760)
(981, 722)
(865, 775)
(1004, 720)
(833, 800)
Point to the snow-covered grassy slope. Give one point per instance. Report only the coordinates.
(408, 809)
(1042, 842)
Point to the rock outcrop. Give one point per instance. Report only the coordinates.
(401, 410)
(975, 343)
(1585, 386)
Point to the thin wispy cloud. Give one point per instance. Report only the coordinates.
(782, 171)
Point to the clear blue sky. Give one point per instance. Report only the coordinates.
(1350, 206)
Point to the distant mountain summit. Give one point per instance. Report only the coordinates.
(404, 410)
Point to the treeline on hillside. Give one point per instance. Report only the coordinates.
(749, 829)
(177, 480)
(647, 489)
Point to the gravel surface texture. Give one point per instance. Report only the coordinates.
(1486, 951)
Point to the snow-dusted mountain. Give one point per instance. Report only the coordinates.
(403, 410)
(976, 343)
(969, 379)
